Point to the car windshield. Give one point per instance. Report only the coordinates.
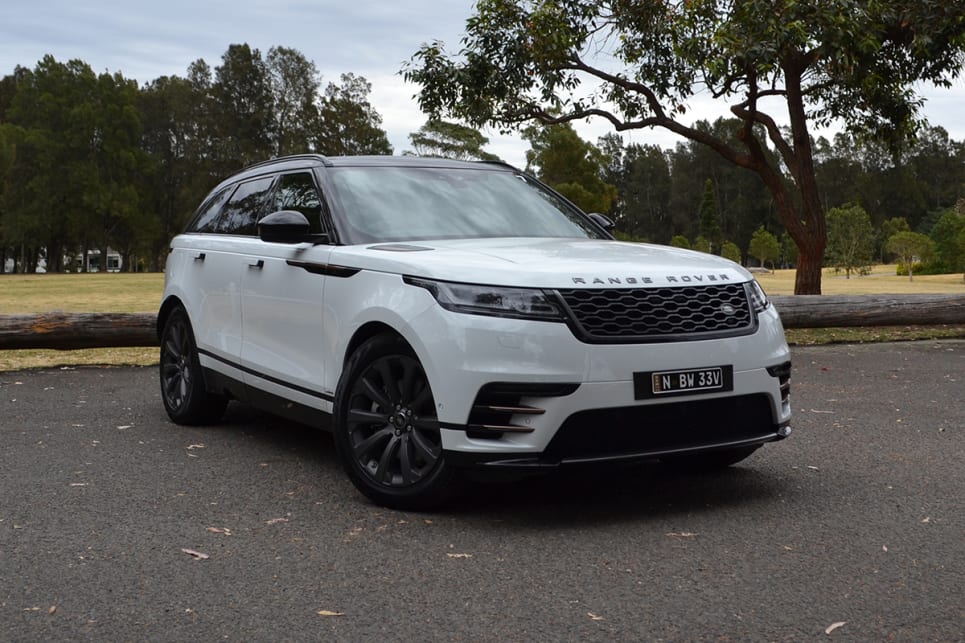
(410, 203)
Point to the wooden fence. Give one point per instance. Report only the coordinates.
(69, 331)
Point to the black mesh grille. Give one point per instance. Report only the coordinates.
(655, 314)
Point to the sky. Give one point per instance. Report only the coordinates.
(370, 38)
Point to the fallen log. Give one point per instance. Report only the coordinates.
(830, 311)
(69, 331)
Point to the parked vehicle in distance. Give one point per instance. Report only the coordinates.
(440, 316)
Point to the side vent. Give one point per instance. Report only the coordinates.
(783, 374)
(498, 402)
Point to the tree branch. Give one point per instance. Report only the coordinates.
(659, 118)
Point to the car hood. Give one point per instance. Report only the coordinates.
(544, 263)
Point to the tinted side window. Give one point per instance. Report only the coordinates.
(298, 192)
(240, 215)
(207, 217)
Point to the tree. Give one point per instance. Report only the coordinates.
(570, 165)
(945, 233)
(887, 230)
(525, 60)
(78, 158)
(850, 238)
(242, 97)
(443, 139)
(680, 241)
(764, 246)
(641, 176)
(911, 247)
(742, 199)
(709, 217)
(730, 251)
(961, 247)
(294, 82)
(349, 124)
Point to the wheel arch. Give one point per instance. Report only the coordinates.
(167, 306)
(366, 332)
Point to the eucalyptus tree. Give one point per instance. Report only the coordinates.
(348, 122)
(640, 63)
(444, 139)
(850, 239)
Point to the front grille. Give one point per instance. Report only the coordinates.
(663, 428)
(658, 314)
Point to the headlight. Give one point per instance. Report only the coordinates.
(495, 301)
(758, 298)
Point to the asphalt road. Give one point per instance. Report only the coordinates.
(858, 518)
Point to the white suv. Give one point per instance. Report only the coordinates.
(440, 315)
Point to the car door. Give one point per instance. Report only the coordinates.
(208, 261)
(219, 261)
(283, 350)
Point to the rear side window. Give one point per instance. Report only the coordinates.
(206, 220)
(240, 215)
(298, 192)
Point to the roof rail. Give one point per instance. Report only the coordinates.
(291, 157)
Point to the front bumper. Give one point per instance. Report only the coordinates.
(629, 434)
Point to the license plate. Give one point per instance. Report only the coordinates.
(711, 379)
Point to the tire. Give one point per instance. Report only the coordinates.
(710, 460)
(183, 392)
(387, 434)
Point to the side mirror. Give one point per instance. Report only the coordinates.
(284, 226)
(602, 221)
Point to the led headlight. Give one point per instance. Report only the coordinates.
(758, 298)
(494, 301)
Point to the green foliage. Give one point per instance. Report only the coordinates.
(911, 248)
(729, 250)
(570, 165)
(887, 230)
(295, 83)
(641, 175)
(703, 244)
(349, 124)
(443, 139)
(821, 61)
(101, 162)
(78, 159)
(242, 98)
(850, 239)
(680, 241)
(764, 246)
(709, 217)
(946, 234)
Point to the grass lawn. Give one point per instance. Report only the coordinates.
(138, 293)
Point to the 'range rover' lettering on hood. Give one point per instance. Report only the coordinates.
(710, 278)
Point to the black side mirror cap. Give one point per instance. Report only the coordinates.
(284, 226)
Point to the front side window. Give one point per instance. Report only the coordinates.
(406, 203)
(298, 192)
(240, 215)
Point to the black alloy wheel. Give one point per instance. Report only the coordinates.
(386, 432)
(182, 382)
